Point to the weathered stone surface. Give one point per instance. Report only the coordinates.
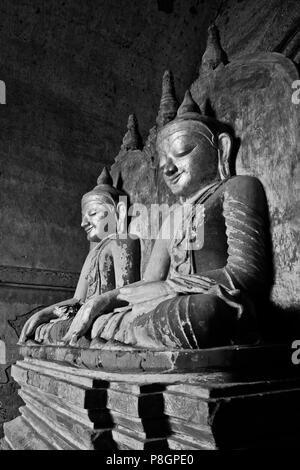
(127, 439)
(144, 406)
(10, 401)
(8, 353)
(21, 436)
(183, 428)
(264, 26)
(133, 360)
(45, 430)
(91, 418)
(4, 445)
(236, 420)
(146, 411)
(16, 306)
(191, 409)
(148, 428)
(203, 384)
(39, 278)
(78, 396)
(74, 376)
(176, 443)
(64, 428)
(70, 373)
(219, 387)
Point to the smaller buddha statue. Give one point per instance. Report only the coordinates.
(112, 262)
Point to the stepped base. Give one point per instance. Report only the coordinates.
(69, 407)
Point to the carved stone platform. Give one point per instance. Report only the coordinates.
(222, 398)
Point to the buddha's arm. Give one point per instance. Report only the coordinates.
(159, 262)
(245, 213)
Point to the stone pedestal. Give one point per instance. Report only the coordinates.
(223, 398)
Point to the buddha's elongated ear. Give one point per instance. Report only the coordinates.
(224, 154)
(121, 216)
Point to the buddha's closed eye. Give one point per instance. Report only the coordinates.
(184, 151)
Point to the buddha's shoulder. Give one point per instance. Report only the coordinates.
(244, 188)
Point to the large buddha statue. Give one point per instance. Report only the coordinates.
(201, 283)
(112, 262)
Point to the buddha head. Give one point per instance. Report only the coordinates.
(103, 209)
(193, 149)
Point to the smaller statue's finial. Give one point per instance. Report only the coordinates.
(188, 105)
(105, 177)
(214, 55)
(168, 102)
(132, 139)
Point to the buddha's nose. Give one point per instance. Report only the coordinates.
(169, 168)
(84, 221)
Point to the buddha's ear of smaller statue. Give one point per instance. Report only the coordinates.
(121, 217)
(224, 154)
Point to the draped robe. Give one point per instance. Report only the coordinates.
(111, 263)
(214, 286)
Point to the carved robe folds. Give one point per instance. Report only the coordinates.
(214, 288)
(113, 262)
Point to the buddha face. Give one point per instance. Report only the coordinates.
(188, 161)
(98, 219)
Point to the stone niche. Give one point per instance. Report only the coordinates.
(235, 397)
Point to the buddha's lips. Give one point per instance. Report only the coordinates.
(174, 178)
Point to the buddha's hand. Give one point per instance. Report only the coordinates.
(84, 318)
(145, 292)
(43, 316)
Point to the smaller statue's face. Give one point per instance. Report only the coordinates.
(98, 220)
(188, 161)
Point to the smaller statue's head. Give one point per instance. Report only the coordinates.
(103, 209)
(193, 149)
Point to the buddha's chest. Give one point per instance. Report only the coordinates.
(101, 277)
(202, 245)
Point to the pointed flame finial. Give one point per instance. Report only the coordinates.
(188, 105)
(132, 139)
(168, 103)
(105, 177)
(214, 55)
